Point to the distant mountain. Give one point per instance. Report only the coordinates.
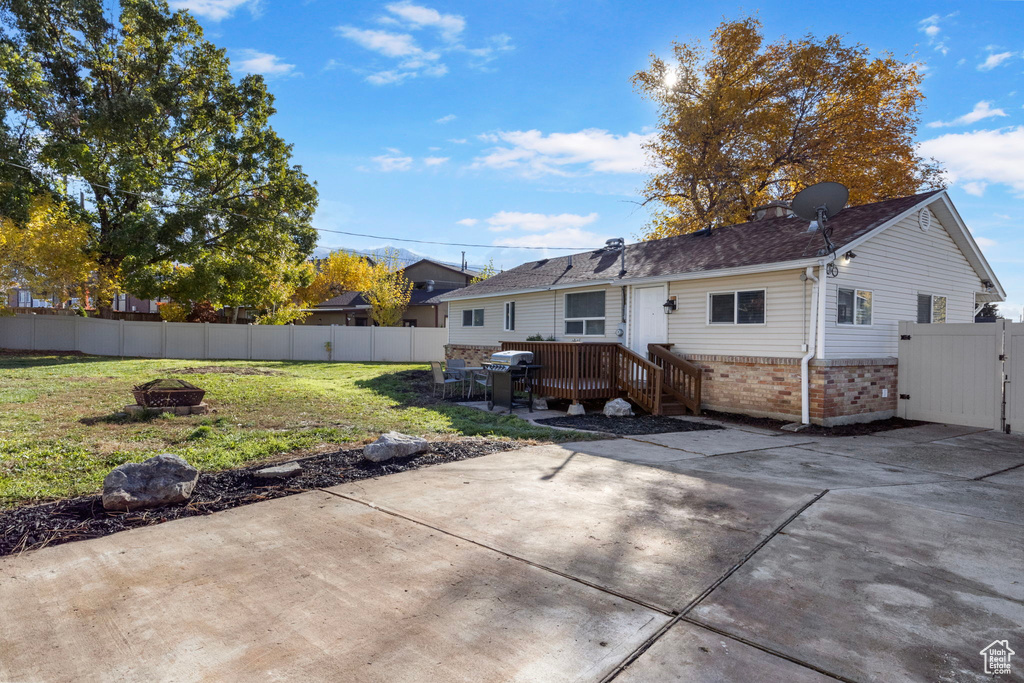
(405, 256)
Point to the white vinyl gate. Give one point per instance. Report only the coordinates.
(963, 373)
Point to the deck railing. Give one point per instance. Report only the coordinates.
(682, 379)
(579, 371)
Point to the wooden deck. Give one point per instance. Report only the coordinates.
(579, 371)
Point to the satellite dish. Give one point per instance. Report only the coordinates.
(820, 201)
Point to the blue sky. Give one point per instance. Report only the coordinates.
(514, 123)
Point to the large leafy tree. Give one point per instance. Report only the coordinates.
(388, 290)
(748, 122)
(177, 160)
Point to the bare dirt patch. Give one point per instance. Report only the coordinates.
(221, 370)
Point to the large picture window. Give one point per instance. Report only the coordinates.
(736, 308)
(584, 314)
(854, 307)
(473, 317)
(931, 308)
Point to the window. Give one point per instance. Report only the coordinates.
(584, 314)
(854, 307)
(24, 298)
(739, 308)
(931, 309)
(473, 317)
(510, 316)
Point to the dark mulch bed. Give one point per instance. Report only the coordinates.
(861, 429)
(627, 426)
(77, 519)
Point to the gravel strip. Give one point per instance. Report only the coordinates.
(627, 426)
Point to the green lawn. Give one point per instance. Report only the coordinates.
(59, 432)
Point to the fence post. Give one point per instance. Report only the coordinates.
(120, 337)
(291, 341)
(163, 339)
(34, 347)
(206, 341)
(334, 340)
(248, 338)
(74, 329)
(373, 342)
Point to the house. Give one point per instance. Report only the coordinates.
(749, 311)
(430, 279)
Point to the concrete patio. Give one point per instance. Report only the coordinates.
(739, 554)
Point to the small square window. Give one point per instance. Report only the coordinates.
(473, 317)
(931, 309)
(938, 309)
(750, 307)
(723, 308)
(844, 310)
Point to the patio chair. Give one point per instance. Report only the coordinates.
(480, 379)
(445, 379)
(456, 367)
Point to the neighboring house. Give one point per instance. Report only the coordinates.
(742, 302)
(24, 298)
(430, 281)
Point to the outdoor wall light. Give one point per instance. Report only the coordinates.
(670, 305)
(849, 255)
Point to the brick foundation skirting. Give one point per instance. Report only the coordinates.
(842, 390)
(473, 354)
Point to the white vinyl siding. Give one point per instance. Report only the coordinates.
(787, 302)
(896, 266)
(536, 313)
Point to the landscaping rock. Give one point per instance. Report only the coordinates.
(540, 404)
(618, 407)
(394, 445)
(577, 409)
(289, 469)
(164, 479)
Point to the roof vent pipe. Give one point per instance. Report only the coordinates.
(569, 265)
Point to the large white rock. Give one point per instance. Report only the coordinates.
(577, 409)
(164, 479)
(394, 445)
(618, 407)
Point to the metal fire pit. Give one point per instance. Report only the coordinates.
(166, 393)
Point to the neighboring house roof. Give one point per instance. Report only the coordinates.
(757, 246)
(418, 297)
(470, 273)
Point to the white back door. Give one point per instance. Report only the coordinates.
(649, 322)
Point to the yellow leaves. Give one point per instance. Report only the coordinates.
(50, 253)
(339, 272)
(747, 123)
(174, 312)
(387, 291)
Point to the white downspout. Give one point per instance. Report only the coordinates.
(812, 329)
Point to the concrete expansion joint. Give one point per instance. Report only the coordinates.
(992, 474)
(570, 577)
(681, 615)
(768, 650)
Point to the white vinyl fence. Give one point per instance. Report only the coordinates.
(205, 341)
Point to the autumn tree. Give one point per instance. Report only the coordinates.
(177, 158)
(748, 122)
(49, 253)
(340, 271)
(388, 291)
(487, 271)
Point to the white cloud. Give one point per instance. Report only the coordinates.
(450, 25)
(255, 62)
(976, 188)
(564, 237)
(533, 153)
(412, 59)
(216, 10)
(386, 43)
(930, 27)
(982, 156)
(985, 242)
(995, 59)
(446, 119)
(982, 110)
(468, 222)
(534, 222)
(392, 161)
(459, 141)
(435, 161)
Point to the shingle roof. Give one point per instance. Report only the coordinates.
(418, 297)
(770, 240)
